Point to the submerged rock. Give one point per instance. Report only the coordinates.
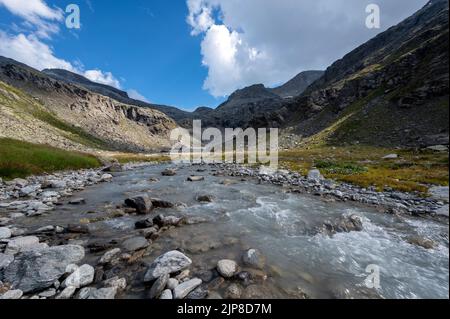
(342, 225)
(422, 242)
(169, 263)
(159, 203)
(37, 270)
(195, 178)
(169, 172)
(135, 243)
(253, 258)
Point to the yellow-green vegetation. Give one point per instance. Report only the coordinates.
(22, 103)
(135, 158)
(21, 159)
(364, 166)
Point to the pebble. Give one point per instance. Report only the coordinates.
(227, 268)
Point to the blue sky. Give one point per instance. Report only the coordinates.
(190, 53)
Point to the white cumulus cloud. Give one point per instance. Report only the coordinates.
(269, 42)
(31, 51)
(37, 14)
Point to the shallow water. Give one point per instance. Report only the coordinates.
(282, 226)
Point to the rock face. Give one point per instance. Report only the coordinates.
(168, 263)
(37, 270)
(103, 120)
(142, 204)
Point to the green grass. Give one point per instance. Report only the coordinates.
(21, 159)
(413, 171)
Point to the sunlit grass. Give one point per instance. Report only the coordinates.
(21, 159)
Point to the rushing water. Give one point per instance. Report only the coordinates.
(281, 225)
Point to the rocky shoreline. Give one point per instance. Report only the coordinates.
(393, 202)
(56, 248)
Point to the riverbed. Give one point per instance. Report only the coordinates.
(300, 261)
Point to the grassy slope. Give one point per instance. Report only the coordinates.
(26, 104)
(20, 159)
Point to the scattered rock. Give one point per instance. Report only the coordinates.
(106, 178)
(227, 268)
(253, 258)
(163, 221)
(5, 233)
(205, 198)
(135, 243)
(109, 256)
(198, 293)
(21, 244)
(77, 201)
(113, 168)
(169, 263)
(195, 178)
(78, 229)
(166, 295)
(38, 270)
(390, 156)
(182, 290)
(341, 225)
(12, 295)
(142, 204)
(159, 203)
(422, 242)
(159, 286)
(143, 224)
(103, 293)
(116, 282)
(169, 172)
(81, 277)
(172, 283)
(233, 291)
(67, 293)
(5, 260)
(48, 293)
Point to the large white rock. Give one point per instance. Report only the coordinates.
(227, 268)
(5, 260)
(182, 290)
(12, 294)
(169, 263)
(37, 270)
(5, 233)
(81, 277)
(21, 244)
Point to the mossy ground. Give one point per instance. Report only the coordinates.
(413, 171)
(21, 159)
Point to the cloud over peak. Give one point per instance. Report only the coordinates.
(266, 41)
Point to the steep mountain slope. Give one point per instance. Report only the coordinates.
(118, 95)
(237, 111)
(93, 120)
(298, 84)
(392, 90)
